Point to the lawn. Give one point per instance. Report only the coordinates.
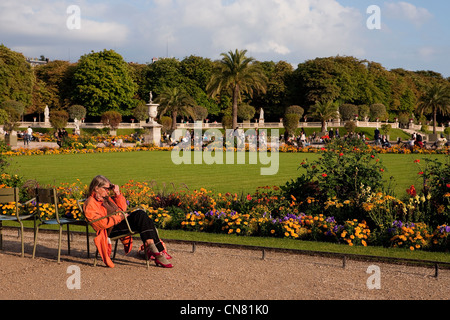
(158, 166)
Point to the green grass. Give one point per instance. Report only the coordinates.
(158, 166)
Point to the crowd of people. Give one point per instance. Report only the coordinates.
(258, 137)
(417, 140)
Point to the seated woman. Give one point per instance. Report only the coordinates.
(100, 204)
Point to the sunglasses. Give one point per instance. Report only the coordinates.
(111, 187)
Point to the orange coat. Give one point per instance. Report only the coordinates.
(93, 210)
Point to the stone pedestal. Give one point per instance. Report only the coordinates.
(11, 139)
(152, 134)
(433, 137)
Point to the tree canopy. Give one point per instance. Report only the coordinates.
(16, 77)
(103, 81)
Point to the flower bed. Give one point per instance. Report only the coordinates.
(77, 144)
(265, 213)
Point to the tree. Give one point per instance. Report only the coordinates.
(237, 74)
(16, 77)
(436, 99)
(201, 113)
(10, 115)
(295, 110)
(348, 111)
(58, 119)
(103, 82)
(290, 122)
(246, 112)
(77, 112)
(53, 86)
(324, 111)
(141, 112)
(276, 98)
(164, 73)
(177, 102)
(378, 111)
(112, 119)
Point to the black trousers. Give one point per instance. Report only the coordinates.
(139, 222)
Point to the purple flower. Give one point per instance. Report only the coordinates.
(330, 220)
(444, 229)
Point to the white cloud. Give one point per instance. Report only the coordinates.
(43, 23)
(409, 12)
(266, 27)
(290, 30)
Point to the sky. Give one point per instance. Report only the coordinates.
(411, 34)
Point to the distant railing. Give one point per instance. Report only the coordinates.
(243, 125)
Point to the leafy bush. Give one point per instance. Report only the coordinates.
(246, 112)
(290, 122)
(348, 111)
(77, 112)
(342, 172)
(295, 110)
(436, 179)
(58, 119)
(111, 119)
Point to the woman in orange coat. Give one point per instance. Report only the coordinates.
(100, 204)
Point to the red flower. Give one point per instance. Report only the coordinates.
(341, 154)
(412, 191)
(382, 170)
(249, 197)
(417, 161)
(448, 185)
(421, 172)
(324, 175)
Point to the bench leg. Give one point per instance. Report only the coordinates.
(36, 232)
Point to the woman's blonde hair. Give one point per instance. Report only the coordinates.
(98, 181)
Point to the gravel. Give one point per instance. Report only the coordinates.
(208, 274)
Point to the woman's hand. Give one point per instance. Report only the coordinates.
(116, 190)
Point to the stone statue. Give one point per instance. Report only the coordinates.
(151, 97)
(77, 126)
(47, 114)
(261, 114)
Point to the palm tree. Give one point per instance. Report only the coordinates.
(237, 74)
(177, 102)
(324, 111)
(435, 99)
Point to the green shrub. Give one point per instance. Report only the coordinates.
(344, 171)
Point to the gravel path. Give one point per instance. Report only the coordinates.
(208, 274)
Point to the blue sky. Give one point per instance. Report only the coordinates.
(414, 34)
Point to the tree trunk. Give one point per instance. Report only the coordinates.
(434, 120)
(174, 120)
(235, 105)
